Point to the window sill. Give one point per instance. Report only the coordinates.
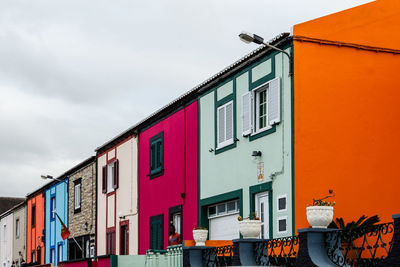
(262, 133)
(225, 148)
(156, 174)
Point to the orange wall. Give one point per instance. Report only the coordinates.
(34, 232)
(347, 114)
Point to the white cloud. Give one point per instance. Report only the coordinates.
(73, 74)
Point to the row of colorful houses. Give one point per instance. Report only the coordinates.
(251, 138)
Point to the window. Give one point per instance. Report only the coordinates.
(282, 203)
(17, 228)
(225, 125)
(110, 177)
(60, 252)
(77, 195)
(225, 208)
(52, 255)
(282, 225)
(33, 256)
(5, 234)
(53, 208)
(33, 216)
(157, 155)
(261, 108)
(111, 242)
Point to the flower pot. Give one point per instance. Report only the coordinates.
(319, 216)
(250, 228)
(200, 236)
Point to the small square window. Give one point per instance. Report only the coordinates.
(282, 203)
(212, 211)
(282, 225)
(221, 208)
(231, 206)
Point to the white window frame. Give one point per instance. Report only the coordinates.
(277, 224)
(256, 103)
(277, 203)
(110, 177)
(236, 211)
(228, 141)
(77, 201)
(53, 212)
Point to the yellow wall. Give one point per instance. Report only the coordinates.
(347, 112)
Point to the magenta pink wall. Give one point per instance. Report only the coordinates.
(103, 262)
(82, 263)
(159, 194)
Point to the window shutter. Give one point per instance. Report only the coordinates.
(221, 125)
(104, 184)
(274, 102)
(116, 174)
(229, 121)
(159, 154)
(246, 113)
(152, 156)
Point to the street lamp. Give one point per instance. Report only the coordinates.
(254, 38)
(45, 177)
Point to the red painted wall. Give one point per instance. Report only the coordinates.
(33, 233)
(159, 194)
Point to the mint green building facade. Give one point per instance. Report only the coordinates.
(248, 112)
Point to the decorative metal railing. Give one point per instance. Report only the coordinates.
(277, 252)
(218, 256)
(364, 247)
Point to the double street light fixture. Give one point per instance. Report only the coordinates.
(254, 38)
(45, 177)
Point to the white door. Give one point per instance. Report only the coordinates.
(262, 210)
(224, 228)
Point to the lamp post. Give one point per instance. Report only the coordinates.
(254, 38)
(45, 177)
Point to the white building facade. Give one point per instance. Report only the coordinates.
(6, 238)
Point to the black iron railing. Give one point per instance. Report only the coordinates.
(218, 256)
(364, 247)
(277, 252)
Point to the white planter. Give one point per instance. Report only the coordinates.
(250, 228)
(200, 237)
(319, 216)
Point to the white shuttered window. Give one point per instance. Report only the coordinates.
(77, 195)
(225, 124)
(261, 107)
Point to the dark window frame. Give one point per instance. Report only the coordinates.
(156, 171)
(78, 182)
(33, 215)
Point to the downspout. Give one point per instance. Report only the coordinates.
(273, 175)
(137, 189)
(184, 160)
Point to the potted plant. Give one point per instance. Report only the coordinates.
(320, 213)
(200, 235)
(250, 227)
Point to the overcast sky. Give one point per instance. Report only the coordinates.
(74, 74)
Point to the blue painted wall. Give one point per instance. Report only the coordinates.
(52, 225)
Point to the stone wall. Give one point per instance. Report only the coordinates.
(87, 214)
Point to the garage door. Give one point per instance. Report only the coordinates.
(224, 227)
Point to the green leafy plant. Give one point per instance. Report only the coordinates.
(354, 226)
(195, 227)
(321, 202)
(252, 216)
